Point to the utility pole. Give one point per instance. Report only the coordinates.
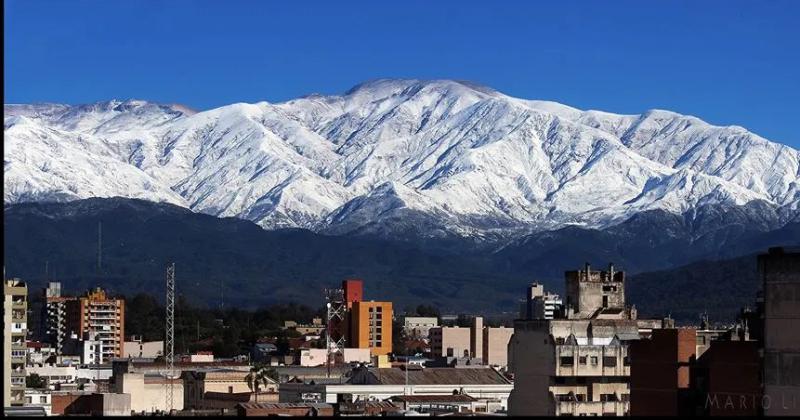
(169, 341)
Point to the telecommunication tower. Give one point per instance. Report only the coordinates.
(336, 310)
(169, 340)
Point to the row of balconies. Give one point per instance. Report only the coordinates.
(598, 408)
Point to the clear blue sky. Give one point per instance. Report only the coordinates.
(728, 62)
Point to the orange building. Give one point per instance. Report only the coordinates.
(371, 326)
(99, 316)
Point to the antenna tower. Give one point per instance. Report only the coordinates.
(169, 341)
(334, 335)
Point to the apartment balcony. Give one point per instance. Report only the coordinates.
(591, 408)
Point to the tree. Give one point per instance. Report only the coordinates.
(34, 381)
(259, 375)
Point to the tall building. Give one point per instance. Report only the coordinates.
(99, 317)
(540, 305)
(353, 291)
(371, 326)
(780, 271)
(55, 316)
(577, 363)
(15, 330)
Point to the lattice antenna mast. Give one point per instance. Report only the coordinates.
(334, 336)
(169, 340)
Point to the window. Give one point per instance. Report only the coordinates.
(43, 399)
(626, 361)
(608, 397)
(605, 301)
(594, 360)
(582, 360)
(230, 390)
(567, 360)
(609, 361)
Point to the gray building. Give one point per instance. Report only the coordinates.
(780, 271)
(577, 363)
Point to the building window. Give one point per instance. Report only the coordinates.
(567, 360)
(230, 390)
(594, 360)
(582, 360)
(609, 361)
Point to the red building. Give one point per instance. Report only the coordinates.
(353, 291)
(660, 373)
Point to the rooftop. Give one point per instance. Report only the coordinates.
(427, 376)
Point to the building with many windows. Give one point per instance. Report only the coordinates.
(371, 326)
(15, 331)
(577, 364)
(99, 317)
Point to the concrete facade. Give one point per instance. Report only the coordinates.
(15, 331)
(495, 346)
(578, 364)
(371, 326)
(451, 342)
(483, 345)
(198, 385)
(780, 271)
(138, 348)
(590, 291)
(148, 392)
(660, 373)
(419, 326)
(101, 317)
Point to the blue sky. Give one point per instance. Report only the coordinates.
(728, 62)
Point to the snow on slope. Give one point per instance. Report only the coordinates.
(467, 155)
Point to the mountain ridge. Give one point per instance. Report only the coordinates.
(471, 161)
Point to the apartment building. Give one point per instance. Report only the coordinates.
(419, 326)
(578, 364)
(15, 331)
(100, 317)
(371, 326)
(54, 316)
(477, 343)
(539, 304)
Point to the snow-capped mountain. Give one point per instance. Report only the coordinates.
(444, 155)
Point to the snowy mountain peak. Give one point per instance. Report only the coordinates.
(467, 159)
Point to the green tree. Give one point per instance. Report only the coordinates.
(259, 375)
(34, 381)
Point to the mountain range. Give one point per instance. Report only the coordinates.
(404, 159)
(440, 192)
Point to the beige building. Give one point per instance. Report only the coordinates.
(148, 392)
(495, 346)
(15, 330)
(135, 347)
(577, 365)
(451, 342)
(487, 345)
(419, 326)
(209, 384)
